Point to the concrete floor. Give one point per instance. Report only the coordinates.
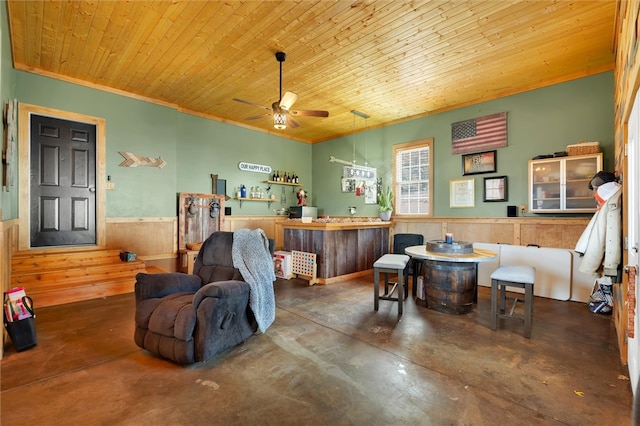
(328, 359)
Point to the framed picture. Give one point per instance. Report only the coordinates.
(348, 185)
(461, 193)
(495, 189)
(480, 162)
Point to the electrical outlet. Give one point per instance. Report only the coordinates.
(109, 185)
(523, 209)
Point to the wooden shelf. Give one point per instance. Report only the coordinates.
(282, 183)
(271, 182)
(268, 200)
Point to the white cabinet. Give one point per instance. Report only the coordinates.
(561, 184)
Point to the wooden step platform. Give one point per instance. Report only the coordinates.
(55, 278)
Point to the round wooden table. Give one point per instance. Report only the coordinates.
(450, 279)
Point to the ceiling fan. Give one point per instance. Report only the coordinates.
(281, 109)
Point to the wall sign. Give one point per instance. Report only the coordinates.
(135, 160)
(250, 167)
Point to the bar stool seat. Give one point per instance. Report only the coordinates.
(390, 264)
(512, 276)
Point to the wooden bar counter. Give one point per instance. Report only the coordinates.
(345, 248)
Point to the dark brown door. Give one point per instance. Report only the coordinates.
(63, 182)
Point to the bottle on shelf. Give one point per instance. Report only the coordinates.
(243, 191)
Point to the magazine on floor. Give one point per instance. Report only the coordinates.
(17, 305)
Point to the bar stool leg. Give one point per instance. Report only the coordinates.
(401, 285)
(494, 304)
(528, 303)
(376, 288)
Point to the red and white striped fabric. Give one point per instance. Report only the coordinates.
(479, 134)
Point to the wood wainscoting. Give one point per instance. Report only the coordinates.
(544, 232)
(555, 232)
(153, 239)
(8, 245)
(58, 276)
(271, 225)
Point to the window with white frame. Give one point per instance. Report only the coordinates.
(412, 177)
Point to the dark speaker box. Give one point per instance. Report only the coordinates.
(227, 211)
(512, 211)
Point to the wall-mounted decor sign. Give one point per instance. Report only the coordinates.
(135, 160)
(10, 138)
(481, 162)
(250, 167)
(461, 193)
(478, 134)
(495, 189)
(362, 180)
(359, 172)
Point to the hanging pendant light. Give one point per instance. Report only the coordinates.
(280, 115)
(280, 120)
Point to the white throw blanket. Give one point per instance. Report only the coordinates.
(252, 258)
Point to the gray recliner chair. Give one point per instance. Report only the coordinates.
(192, 317)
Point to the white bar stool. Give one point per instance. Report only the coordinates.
(512, 276)
(394, 264)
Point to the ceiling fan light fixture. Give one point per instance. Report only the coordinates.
(280, 120)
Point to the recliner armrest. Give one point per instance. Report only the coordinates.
(220, 289)
(159, 285)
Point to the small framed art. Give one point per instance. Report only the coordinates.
(480, 162)
(461, 193)
(495, 189)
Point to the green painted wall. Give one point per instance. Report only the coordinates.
(193, 148)
(208, 147)
(540, 121)
(8, 196)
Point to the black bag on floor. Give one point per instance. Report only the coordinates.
(20, 319)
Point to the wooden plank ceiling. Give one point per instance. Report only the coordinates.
(393, 60)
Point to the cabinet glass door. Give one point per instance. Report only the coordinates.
(546, 185)
(579, 172)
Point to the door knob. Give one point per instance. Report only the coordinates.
(92, 189)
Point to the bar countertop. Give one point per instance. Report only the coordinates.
(322, 224)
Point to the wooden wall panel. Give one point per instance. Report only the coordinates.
(627, 84)
(251, 222)
(482, 232)
(550, 235)
(432, 230)
(9, 245)
(149, 237)
(545, 232)
(340, 253)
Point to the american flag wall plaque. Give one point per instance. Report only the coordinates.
(479, 134)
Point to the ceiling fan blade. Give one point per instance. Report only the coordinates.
(252, 103)
(292, 122)
(310, 113)
(288, 100)
(257, 117)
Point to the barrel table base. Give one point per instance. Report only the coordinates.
(450, 287)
